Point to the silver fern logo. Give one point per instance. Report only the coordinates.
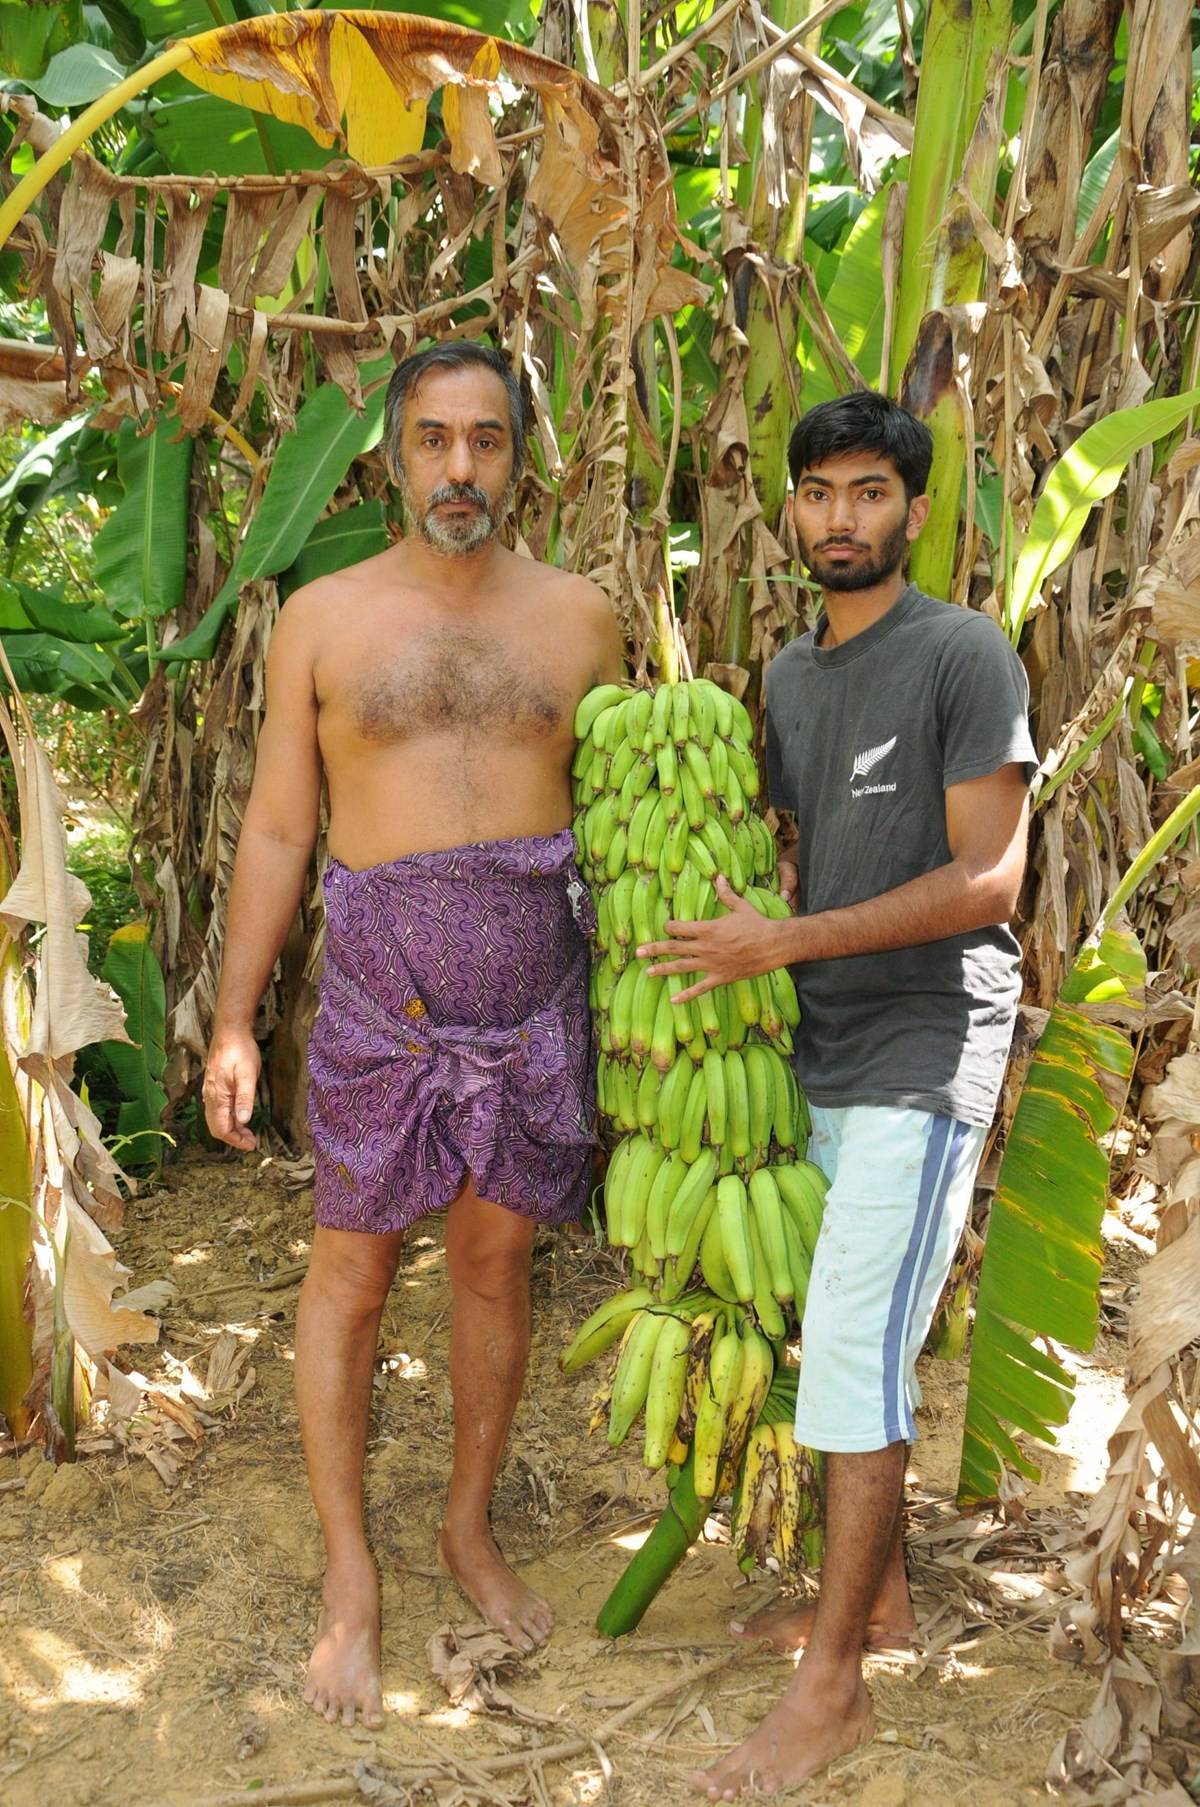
(865, 763)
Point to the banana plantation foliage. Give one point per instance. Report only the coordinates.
(222, 227)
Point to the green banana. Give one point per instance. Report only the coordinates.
(718, 759)
(581, 761)
(620, 906)
(614, 1181)
(694, 807)
(799, 1265)
(802, 1186)
(646, 1098)
(632, 1380)
(767, 1210)
(745, 1001)
(692, 1129)
(622, 1096)
(723, 705)
(760, 1095)
(733, 794)
(677, 1272)
(594, 703)
(784, 992)
(672, 1101)
(737, 1104)
(742, 762)
(614, 859)
(639, 822)
(668, 768)
(660, 715)
(602, 825)
(620, 1008)
(641, 706)
(713, 1264)
(724, 1373)
(644, 1163)
(620, 765)
(689, 1199)
(662, 1037)
(656, 836)
(714, 1086)
(665, 1390)
(709, 1014)
(766, 1305)
(675, 845)
(643, 912)
(606, 1324)
(742, 728)
(681, 714)
(643, 1012)
(787, 1102)
(733, 1207)
(661, 1196)
(704, 715)
(696, 760)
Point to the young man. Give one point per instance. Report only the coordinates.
(433, 688)
(897, 734)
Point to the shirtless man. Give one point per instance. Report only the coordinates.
(433, 689)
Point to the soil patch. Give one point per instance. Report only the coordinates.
(153, 1638)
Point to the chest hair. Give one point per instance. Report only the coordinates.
(449, 682)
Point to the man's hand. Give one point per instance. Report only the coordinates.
(789, 882)
(738, 946)
(230, 1081)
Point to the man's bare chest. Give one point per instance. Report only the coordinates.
(448, 681)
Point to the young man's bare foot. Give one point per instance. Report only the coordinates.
(787, 1627)
(475, 1562)
(819, 1718)
(344, 1673)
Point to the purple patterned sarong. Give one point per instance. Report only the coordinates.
(454, 1035)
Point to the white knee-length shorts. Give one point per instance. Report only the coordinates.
(900, 1185)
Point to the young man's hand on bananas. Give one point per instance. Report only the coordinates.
(738, 945)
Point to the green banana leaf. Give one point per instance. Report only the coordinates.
(854, 303)
(78, 74)
(86, 676)
(141, 551)
(1042, 1259)
(305, 472)
(339, 540)
(133, 971)
(16, 1223)
(190, 130)
(1043, 1255)
(24, 608)
(1085, 474)
(30, 35)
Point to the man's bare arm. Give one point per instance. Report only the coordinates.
(986, 825)
(279, 831)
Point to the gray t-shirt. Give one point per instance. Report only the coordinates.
(862, 740)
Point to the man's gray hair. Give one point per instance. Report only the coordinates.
(456, 355)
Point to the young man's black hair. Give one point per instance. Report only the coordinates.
(863, 421)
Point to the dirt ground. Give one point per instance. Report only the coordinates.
(153, 1637)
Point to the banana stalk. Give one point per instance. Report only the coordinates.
(766, 311)
(16, 1223)
(672, 1537)
(956, 147)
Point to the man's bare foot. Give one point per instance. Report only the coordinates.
(344, 1671)
(802, 1733)
(788, 1625)
(475, 1562)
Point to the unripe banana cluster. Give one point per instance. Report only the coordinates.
(699, 1370)
(776, 1519)
(710, 1172)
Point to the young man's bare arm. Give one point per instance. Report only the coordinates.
(986, 825)
(279, 831)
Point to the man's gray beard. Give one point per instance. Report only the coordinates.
(457, 537)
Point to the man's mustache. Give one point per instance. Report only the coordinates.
(460, 492)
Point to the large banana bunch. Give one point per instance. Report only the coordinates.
(777, 1508)
(708, 1186)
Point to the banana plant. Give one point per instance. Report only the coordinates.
(1043, 1255)
(132, 969)
(16, 1180)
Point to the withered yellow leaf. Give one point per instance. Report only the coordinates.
(381, 121)
(467, 121)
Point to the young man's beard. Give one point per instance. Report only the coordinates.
(457, 535)
(864, 573)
